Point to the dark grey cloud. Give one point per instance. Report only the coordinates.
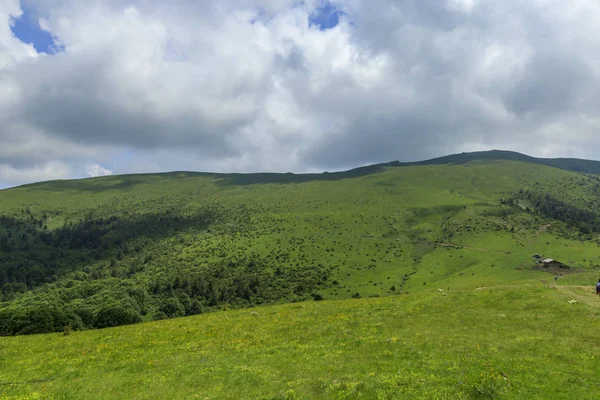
(551, 84)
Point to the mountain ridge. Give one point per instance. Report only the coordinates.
(239, 178)
(565, 163)
(115, 250)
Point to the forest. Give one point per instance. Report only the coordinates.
(110, 265)
(585, 220)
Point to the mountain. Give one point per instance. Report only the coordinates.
(108, 251)
(414, 280)
(567, 164)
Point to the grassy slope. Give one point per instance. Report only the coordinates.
(567, 164)
(374, 229)
(518, 342)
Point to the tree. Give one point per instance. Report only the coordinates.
(114, 316)
(195, 308)
(172, 308)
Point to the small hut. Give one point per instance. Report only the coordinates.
(552, 263)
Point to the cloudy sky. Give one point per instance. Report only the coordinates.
(96, 87)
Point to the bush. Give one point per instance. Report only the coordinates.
(185, 301)
(87, 316)
(5, 317)
(41, 319)
(159, 315)
(196, 308)
(172, 308)
(115, 316)
(317, 297)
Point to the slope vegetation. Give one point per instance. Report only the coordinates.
(116, 250)
(527, 341)
(567, 164)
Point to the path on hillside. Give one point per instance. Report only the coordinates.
(583, 294)
(472, 248)
(543, 228)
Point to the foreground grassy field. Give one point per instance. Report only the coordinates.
(524, 341)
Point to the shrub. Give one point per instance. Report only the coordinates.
(159, 315)
(87, 316)
(115, 316)
(41, 319)
(317, 297)
(172, 307)
(196, 308)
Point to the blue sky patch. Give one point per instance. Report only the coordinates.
(327, 16)
(27, 29)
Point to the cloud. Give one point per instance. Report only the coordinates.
(255, 85)
(10, 175)
(12, 50)
(93, 170)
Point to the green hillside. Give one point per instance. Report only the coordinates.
(115, 250)
(525, 342)
(567, 164)
(437, 293)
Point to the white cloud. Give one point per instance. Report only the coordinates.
(462, 5)
(34, 173)
(93, 170)
(12, 50)
(250, 85)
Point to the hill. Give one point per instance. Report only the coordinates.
(117, 250)
(526, 341)
(431, 264)
(567, 164)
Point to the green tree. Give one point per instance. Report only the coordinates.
(172, 308)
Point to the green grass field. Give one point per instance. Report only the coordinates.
(521, 342)
(430, 287)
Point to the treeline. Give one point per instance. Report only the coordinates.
(52, 318)
(85, 303)
(113, 270)
(32, 254)
(586, 221)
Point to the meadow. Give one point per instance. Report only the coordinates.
(522, 342)
(116, 250)
(384, 282)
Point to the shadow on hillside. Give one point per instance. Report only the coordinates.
(26, 246)
(265, 178)
(128, 182)
(115, 182)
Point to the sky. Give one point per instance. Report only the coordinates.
(106, 87)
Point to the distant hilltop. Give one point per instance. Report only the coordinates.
(567, 164)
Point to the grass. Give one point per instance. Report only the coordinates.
(503, 329)
(519, 342)
(368, 232)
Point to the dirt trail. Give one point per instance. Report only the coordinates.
(544, 228)
(473, 248)
(583, 294)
